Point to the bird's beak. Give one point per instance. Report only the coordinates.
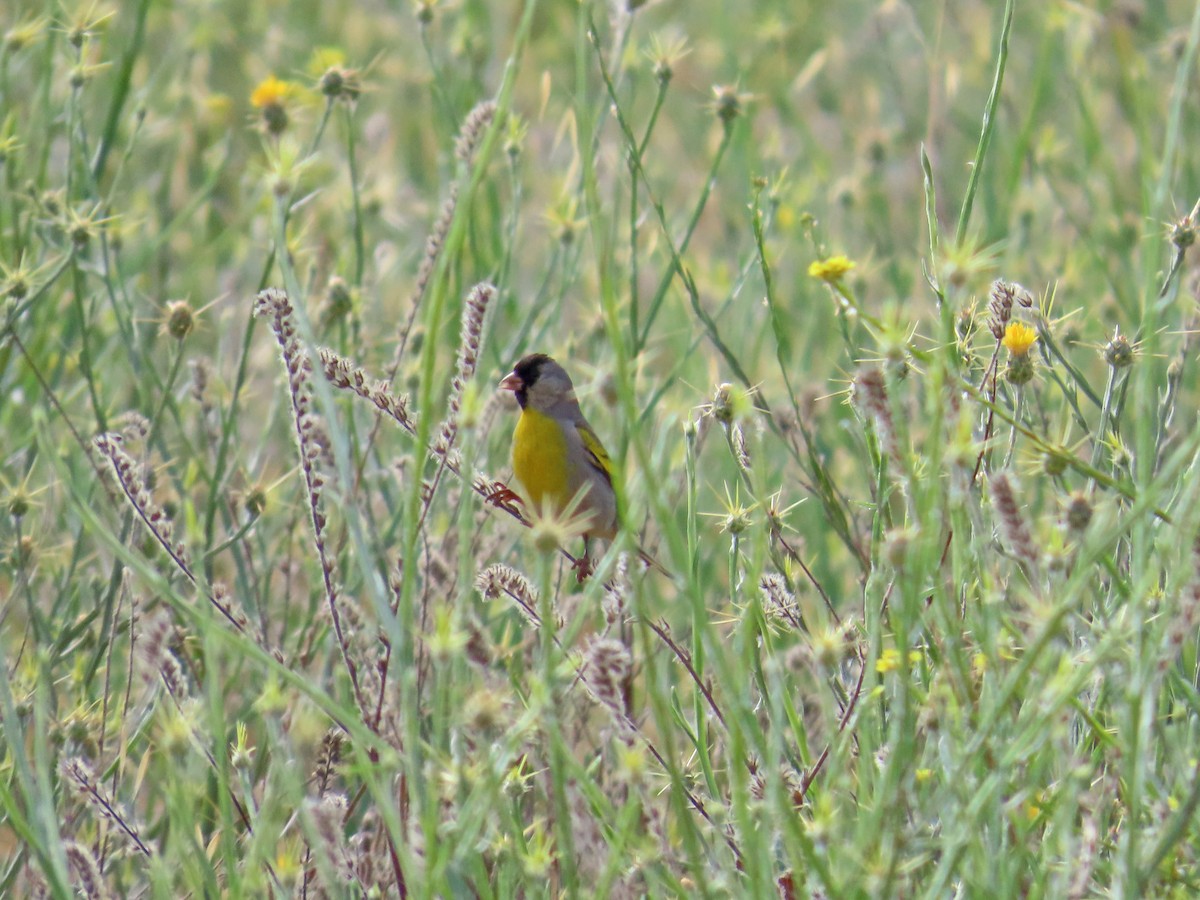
(510, 382)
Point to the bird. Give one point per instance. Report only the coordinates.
(557, 456)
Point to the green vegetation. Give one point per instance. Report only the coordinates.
(887, 313)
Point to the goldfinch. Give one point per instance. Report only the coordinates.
(556, 456)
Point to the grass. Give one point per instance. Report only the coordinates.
(886, 313)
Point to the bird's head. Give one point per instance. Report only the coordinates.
(538, 381)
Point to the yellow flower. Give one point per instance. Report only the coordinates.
(269, 98)
(324, 58)
(271, 91)
(831, 269)
(889, 661)
(1018, 338)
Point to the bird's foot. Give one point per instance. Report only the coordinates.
(503, 497)
(584, 568)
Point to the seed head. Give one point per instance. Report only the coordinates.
(23, 34)
(1118, 352)
(1011, 520)
(340, 83)
(256, 500)
(606, 665)
(1183, 233)
(831, 646)
(181, 320)
(1054, 462)
(474, 127)
(1003, 296)
(664, 56)
(727, 103)
(18, 503)
(1078, 512)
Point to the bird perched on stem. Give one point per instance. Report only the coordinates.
(557, 457)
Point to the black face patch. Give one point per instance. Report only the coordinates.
(528, 370)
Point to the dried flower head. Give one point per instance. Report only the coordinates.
(498, 579)
(470, 340)
(133, 483)
(328, 815)
(1011, 521)
(328, 758)
(86, 871)
(778, 599)
(616, 591)
(1004, 295)
(79, 773)
(474, 127)
(869, 394)
(606, 666)
(728, 404)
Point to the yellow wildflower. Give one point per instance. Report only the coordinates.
(889, 661)
(271, 91)
(831, 269)
(1018, 338)
(324, 58)
(269, 98)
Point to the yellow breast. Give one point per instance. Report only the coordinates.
(539, 460)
